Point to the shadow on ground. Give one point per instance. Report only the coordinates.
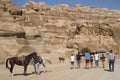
(24, 74)
(108, 70)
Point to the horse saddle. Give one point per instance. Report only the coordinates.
(21, 58)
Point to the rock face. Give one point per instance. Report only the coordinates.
(57, 29)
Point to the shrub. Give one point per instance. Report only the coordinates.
(83, 50)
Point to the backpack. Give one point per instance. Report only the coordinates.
(78, 57)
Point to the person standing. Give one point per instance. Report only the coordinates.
(96, 57)
(72, 59)
(36, 63)
(111, 58)
(103, 60)
(91, 61)
(78, 58)
(87, 59)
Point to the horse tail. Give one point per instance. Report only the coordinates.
(44, 60)
(7, 63)
(49, 61)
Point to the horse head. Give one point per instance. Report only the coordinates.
(33, 54)
(30, 56)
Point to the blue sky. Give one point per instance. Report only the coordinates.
(110, 4)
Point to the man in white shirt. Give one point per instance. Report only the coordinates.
(96, 57)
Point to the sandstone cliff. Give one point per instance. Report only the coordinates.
(56, 30)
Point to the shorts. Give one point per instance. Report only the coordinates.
(87, 60)
(72, 62)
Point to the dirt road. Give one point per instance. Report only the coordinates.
(62, 71)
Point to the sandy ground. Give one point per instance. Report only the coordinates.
(62, 71)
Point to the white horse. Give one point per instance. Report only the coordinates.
(43, 61)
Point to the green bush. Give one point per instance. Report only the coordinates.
(83, 50)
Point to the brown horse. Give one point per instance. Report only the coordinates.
(21, 61)
(61, 59)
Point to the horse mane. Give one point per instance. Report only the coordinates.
(33, 54)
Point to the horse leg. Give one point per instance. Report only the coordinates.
(11, 69)
(25, 70)
(60, 60)
(44, 66)
(44, 69)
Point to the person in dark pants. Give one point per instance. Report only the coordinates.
(87, 59)
(111, 58)
(91, 61)
(78, 58)
(96, 57)
(103, 60)
(36, 64)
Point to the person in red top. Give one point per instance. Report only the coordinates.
(91, 61)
